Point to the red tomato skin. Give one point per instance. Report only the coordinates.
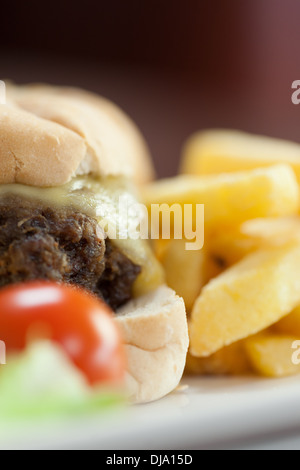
(79, 322)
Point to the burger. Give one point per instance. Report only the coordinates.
(67, 158)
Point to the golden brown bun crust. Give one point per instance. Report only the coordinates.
(49, 135)
(35, 151)
(156, 336)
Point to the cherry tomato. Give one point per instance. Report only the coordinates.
(79, 322)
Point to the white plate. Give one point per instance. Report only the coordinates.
(203, 413)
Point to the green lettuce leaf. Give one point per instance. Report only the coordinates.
(43, 382)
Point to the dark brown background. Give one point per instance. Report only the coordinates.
(175, 66)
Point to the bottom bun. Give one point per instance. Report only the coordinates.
(155, 331)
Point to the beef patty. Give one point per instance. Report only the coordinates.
(63, 245)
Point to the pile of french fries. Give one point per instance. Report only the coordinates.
(242, 290)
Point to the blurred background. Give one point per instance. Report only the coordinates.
(175, 66)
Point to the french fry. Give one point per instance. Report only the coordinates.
(290, 324)
(271, 355)
(184, 270)
(241, 320)
(276, 231)
(247, 298)
(213, 267)
(225, 151)
(232, 245)
(159, 247)
(231, 360)
(231, 199)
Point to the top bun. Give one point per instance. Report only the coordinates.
(49, 135)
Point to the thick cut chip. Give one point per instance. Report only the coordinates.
(290, 324)
(273, 355)
(229, 199)
(231, 360)
(159, 247)
(225, 151)
(231, 245)
(185, 270)
(276, 230)
(247, 298)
